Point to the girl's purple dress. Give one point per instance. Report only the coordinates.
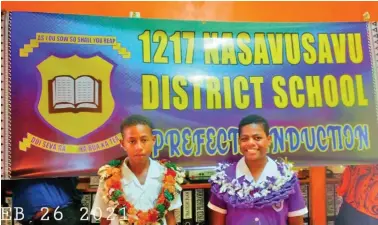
(269, 201)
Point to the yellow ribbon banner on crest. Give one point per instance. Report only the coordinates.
(66, 148)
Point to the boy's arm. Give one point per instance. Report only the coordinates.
(170, 218)
(104, 221)
(175, 204)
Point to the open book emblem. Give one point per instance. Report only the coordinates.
(67, 94)
(76, 96)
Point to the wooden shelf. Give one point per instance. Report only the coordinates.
(195, 186)
(333, 180)
(185, 186)
(84, 187)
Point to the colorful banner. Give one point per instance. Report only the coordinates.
(73, 79)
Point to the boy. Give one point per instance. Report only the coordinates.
(139, 183)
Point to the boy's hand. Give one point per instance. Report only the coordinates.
(170, 217)
(104, 221)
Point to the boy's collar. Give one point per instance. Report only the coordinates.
(153, 171)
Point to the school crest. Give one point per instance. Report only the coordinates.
(75, 96)
(278, 206)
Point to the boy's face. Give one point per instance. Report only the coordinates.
(138, 141)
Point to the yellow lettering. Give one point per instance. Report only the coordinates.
(181, 101)
(295, 84)
(189, 35)
(314, 95)
(257, 81)
(241, 84)
(150, 92)
(176, 39)
(227, 92)
(146, 46)
(211, 48)
(355, 48)
(347, 90)
(361, 98)
(275, 41)
(165, 92)
(339, 47)
(325, 54)
(281, 100)
(161, 38)
(293, 50)
(309, 56)
(228, 49)
(214, 100)
(261, 51)
(197, 94)
(245, 54)
(331, 96)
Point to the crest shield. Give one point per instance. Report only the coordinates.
(75, 96)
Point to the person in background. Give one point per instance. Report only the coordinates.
(359, 190)
(3, 196)
(47, 201)
(256, 190)
(5, 211)
(138, 190)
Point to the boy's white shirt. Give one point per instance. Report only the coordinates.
(143, 197)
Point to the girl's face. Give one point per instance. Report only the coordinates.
(253, 142)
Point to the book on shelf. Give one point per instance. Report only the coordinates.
(199, 176)
(187, 207)
(94, 181)
(194, 208)
(85, 210)
(305, 190)
(177, 213)
(94, 220)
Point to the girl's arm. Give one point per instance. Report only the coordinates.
(217, 218)
(296, 220)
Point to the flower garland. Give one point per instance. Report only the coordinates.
(114, 196)
(241, 193)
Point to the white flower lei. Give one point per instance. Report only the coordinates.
(242, 190)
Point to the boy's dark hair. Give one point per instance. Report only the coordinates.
(254, 119)
(136, 120)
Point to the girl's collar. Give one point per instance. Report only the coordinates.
(270, 169)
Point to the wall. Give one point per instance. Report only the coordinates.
(221, 11)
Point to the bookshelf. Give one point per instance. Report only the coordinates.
(199, 195)
(195, 188)
(84, 185)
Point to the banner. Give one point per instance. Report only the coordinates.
(73, 79)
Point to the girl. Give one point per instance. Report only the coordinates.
(256, 190)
